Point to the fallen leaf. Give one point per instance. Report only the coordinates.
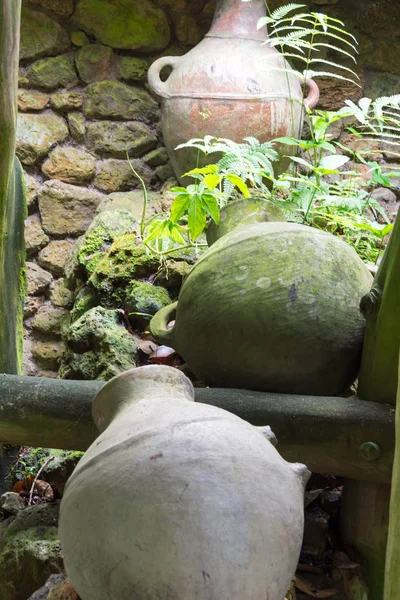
(342, 561)
(44, 489)
(162, 355)
(307, 587)
(147, 347)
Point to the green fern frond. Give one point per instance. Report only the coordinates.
(281, 12)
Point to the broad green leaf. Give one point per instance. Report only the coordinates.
(239, 183)
(211, 207)
(202, 171)
(196, 217)
(179, 206)
(301, 161)
(212, 180)
(175, 233)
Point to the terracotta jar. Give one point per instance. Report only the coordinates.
(178, 500)
(231, 85)
(271, 307)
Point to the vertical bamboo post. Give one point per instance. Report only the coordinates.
(12, 210)
(392, 568)
(365, 506)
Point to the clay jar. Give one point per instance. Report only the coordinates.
(232, 85)
(178, 500)
(271, 307)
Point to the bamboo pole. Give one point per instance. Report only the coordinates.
(12, 206)
(369, 503)
(392, 568)
(330, 435)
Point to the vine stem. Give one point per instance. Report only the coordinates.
(145, 196)
(37, 477)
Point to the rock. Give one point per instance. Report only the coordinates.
(32, 100)
(55, 255)
(165, 172)
(60, 295)
(32, 305)
(132, 201)
(187, 31)
(93, 62)
(143, 300)
(113, 175)
(63, 591)
(63, 8)
(35, 237)
(116, 139)
(12, 503)
(38, 279)
(60, 468)
(173, 273)
(315, 531)
(31, 189)
(48, 319)
(381, 84)
(85, 300)
(65, 101)
(77, 127)
(79, 38)
(369, 148)
(51, 73)
(99, 346)
(103, 231)
(116, 100)
(388, 201)
(124, 24)
(334, 91)
(132, 68)
(126, 260)
(43, 593)
(69, 164)
(156, 157)
(37, 134)
(29, 551)
(40, 35)
(67, 209)
(48, 354)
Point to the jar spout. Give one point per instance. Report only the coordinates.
(238, 19)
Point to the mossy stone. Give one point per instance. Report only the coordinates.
(126, 260)
(143, 299)
(48, 320)
(114, 139)
(124, 24)
(103, 231)
(116, 100)
(99, 346)
(93, 62)
(51, 73)
(77, 125)
(40, 35)
(48, 354)
(132, 68)
(156, 157)
(37, 134)
(79, 38)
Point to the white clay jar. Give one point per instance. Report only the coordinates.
(177, 500)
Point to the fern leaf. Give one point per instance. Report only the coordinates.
(281, 12)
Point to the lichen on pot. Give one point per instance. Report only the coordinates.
(274, 307)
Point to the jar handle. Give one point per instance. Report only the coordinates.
(153, 76)
(313, 95)
(159, 325)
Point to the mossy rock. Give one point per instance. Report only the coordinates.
(124, 24)
(51, 73)
(29, 551)
(126, 260)
(40, 35)
(93, 62)
(86, 299)
(99, 346)
(143, 300)
(132, 68)
(116, 100)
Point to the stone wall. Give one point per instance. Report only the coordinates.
(84, 103)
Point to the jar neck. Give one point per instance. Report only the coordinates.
(153, 382)
(238, 19)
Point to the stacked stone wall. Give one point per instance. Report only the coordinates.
(84, 103)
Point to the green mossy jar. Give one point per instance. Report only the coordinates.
(274, 307)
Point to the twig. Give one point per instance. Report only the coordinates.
(37, 477)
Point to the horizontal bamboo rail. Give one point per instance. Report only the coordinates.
(345, 436)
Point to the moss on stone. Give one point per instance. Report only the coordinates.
(124, 24)
(51, 73)
(40, 35)
(99, 346)
(126, 260)
(143, 299)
